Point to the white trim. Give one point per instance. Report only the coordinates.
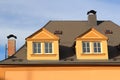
(48, 47)
(97, 47)
(37, 47)
(86, 42)
(91, 46)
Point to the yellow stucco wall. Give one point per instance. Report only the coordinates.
(43, 56)
(92, 56)
(92, 36)
(61, 73)
(43, 36)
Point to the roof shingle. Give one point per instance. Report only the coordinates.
(70, 31)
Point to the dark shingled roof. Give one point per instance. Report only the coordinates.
(70, 31)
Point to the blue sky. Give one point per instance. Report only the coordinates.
(24, 17)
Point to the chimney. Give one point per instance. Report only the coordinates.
(92, 20)
(11, 44)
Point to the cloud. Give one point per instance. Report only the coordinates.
(26, 16)
(52, 9)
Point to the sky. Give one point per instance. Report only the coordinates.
(24, 17)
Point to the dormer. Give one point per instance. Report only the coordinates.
(42, 45)
(92, 45)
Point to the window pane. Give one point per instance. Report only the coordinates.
(84, 50)
(46, 50)
(83, 44)
(39, 48)
(39, 51)
(87, 44)
(34, 50)
(50, 51)
(94, 44)
(48, 47)
(97, 47)
(86, 47)
(36, 47)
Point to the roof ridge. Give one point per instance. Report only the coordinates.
(76, 20)
(67, 20)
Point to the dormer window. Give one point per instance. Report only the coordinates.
(43, 45)
(86, 47)
(36, 47)
(48, 47)
(92, 45)
(97, 47)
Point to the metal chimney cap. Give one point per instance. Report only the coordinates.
(91, 11)
(11, 35)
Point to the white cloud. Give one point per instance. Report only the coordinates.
(24, 14)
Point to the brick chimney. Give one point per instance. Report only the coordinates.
(11, 44)
(92, 19)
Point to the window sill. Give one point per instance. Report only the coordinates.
(44, 54)
(96, 54)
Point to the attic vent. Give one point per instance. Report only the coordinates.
(58, 32)
(108, 32)
(19, 60)
(69, 59)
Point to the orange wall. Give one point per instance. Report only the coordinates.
(61, 73)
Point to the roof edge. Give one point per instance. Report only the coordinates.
(38, 30)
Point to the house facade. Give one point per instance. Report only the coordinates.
(66, 50)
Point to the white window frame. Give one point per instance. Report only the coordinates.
(91, 47)
(97, 47)
(85, 46)
(37, 52)
(48, 47)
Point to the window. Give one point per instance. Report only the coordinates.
(36, 47)
(48, 47)
(91, 47)
(97, 47)
(86, 47)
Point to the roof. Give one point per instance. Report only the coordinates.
(70, 31)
